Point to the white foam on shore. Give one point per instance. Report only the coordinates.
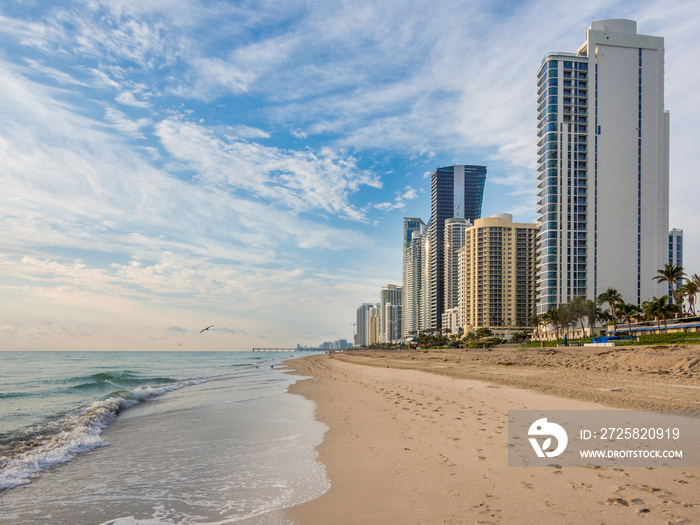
(81, 433)
(214, 453)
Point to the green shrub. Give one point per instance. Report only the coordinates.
(670, 339)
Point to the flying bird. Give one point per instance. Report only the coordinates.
(207, 328)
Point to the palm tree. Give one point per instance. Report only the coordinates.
(605, 317)
(552, 317)
(578, 311)
(672, 274)
(658, 308)
(568, 316)
(668, 311)
(592, 313)
(612, 297)
(564, 318)
(688, 290)
(535, 321)
(652, 309)
(626, 311)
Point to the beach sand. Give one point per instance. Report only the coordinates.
(421, 437)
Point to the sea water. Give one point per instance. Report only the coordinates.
(154, 437)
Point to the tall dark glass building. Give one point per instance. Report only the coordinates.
(457, 191)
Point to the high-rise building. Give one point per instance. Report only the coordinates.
(675, 253)
(454, 240)
(602, 167)
(413, 231)
(362, 322)
(373, 325)
(389, 295)
(456, 191)
(498, 273)
(392, 323)
(426, 284)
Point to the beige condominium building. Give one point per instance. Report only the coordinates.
(497, 269)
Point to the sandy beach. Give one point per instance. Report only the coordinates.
(421, 437)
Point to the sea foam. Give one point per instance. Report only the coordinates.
(44, 446)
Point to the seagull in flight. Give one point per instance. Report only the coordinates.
(207, 328)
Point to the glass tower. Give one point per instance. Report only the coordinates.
(456, 191)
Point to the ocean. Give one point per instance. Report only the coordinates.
(154, 437)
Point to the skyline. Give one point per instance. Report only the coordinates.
(168, 167)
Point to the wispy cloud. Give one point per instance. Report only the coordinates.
(167, 160)
(297, 180)
(129, 99)
(126, 125)
(400, 200)
(60, 76)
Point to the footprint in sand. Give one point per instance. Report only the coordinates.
(580, 485)
(618, 501)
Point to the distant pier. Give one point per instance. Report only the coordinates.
(289, 350)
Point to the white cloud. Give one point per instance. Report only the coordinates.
(128, 99)
(211, 76)
(56, 74)
(298, 180)
(247, 132)
(126, 125)
(400, 199)
(287, 102)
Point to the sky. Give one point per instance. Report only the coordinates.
(166, 165)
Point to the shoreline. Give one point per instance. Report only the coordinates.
(420, 437)
(230, 448)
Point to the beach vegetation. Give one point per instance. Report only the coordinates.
(481, 338)
(521, 336)
(385, 346)
(556, 342)
(688, 291)
(486, 342)
(536, 321)
(658, 309)
(628, 311)
(672, 274)
(611, 297)
(679, 338)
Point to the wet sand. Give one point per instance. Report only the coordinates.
(421, 437)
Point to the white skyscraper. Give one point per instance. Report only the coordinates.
(363, 323)
(603, 167)
(413, 231)
(454, 240)
(390, 319)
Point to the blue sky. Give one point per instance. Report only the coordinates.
(166, 165)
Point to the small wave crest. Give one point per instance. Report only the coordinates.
(26, 453)
(107, 380)
(12, 395)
